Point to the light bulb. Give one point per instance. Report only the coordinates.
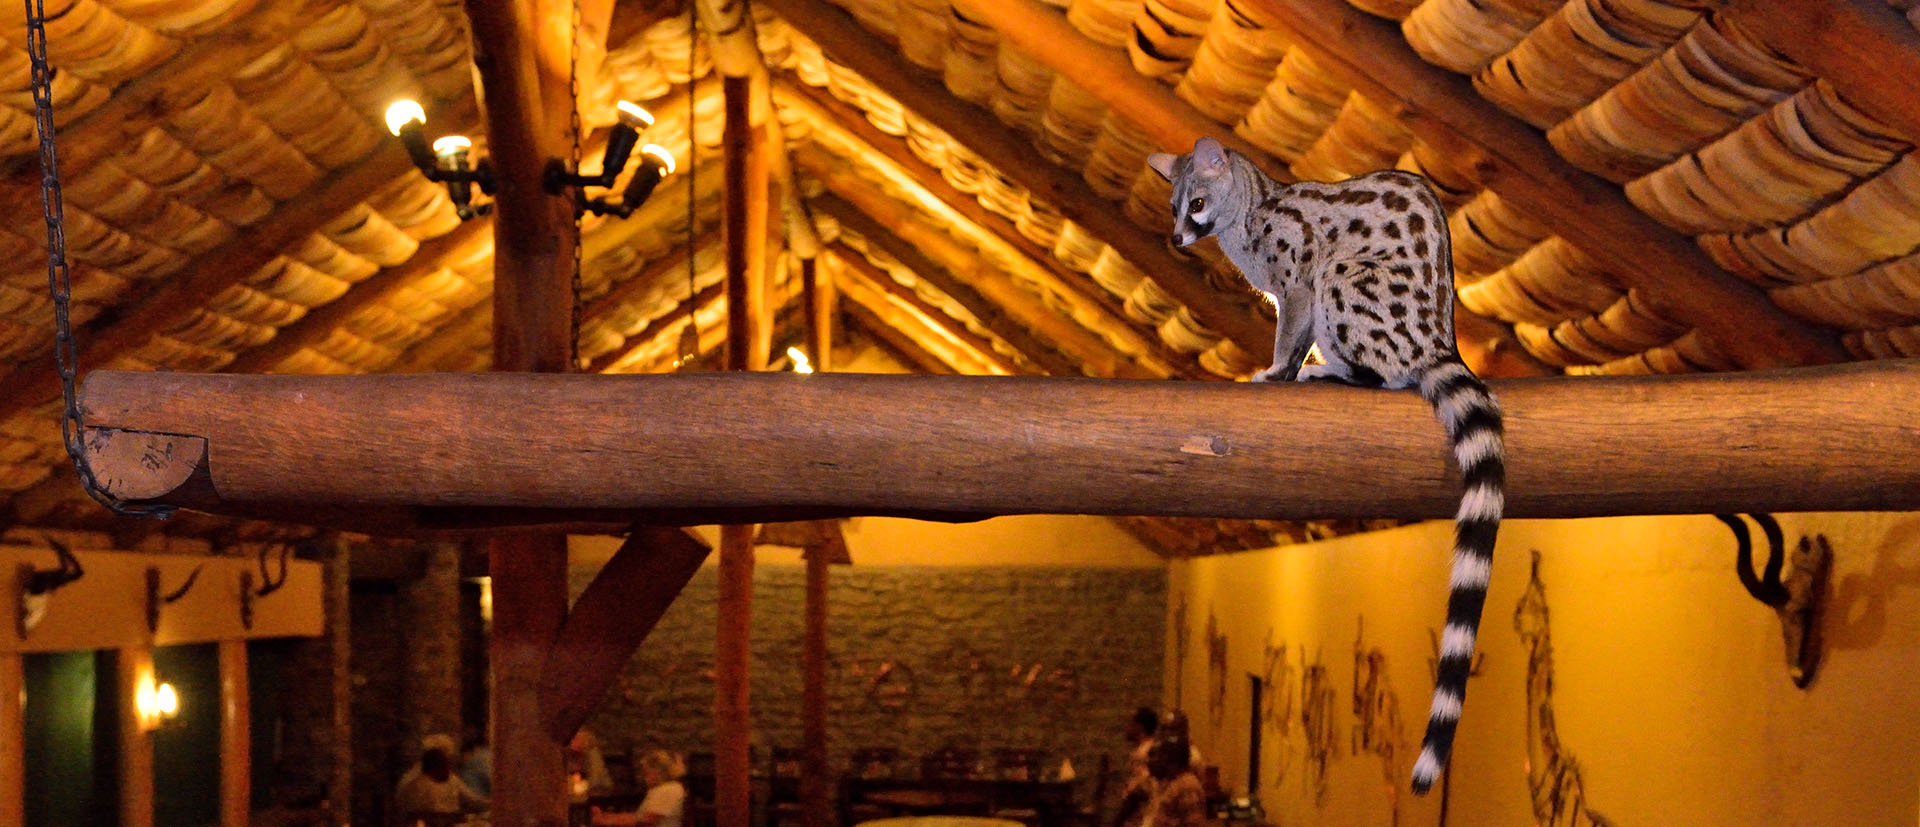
(166, 701)
(452, 151)
(661, 154)
(800, 363)
(633, 115)
(403, 112)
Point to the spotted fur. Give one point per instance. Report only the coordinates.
(1363, 269)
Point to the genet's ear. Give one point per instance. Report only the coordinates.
(1162, 163)
(1209, 157)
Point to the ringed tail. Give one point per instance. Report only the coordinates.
(1472, 421)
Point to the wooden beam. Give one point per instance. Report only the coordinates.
(1234, 315)
(528, 135)
(1514, 160)
(457, 334)
(878, 293)
(611, 619)
(729, 25)
(732, 713)
(36, 383)
(1857, 45)
(236, 736)
(816, 795)
(985, 225)
(1043, 33)
(821, 294)
(1000, 320)
(322, 321)
(1756, 441)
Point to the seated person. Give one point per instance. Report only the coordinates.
(1179, 799)
(666, 799)
(435, 793)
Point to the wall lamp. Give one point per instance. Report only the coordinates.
(447, 160)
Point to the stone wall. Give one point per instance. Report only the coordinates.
(990, 657)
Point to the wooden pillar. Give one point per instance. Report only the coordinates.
(749, 334)
(132, 666)
(236, 736)
(815, 793)
(13, 739)
(334, 602)
(749, 329)
(534, 237)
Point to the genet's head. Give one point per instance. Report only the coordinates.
(1200, 188)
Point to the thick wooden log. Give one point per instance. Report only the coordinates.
(1514, 160)
(611, 619)
(13, 739)
(749, 319)
(1831, 438)
(132, 668)
(732, 655)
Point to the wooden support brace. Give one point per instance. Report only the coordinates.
(610, 620)
(1786, 440)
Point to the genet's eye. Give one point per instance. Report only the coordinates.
(1196, 205)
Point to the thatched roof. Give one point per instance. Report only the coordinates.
(233, 202)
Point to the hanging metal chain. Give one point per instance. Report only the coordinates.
(573, 125)
(690, 335)
(60, 276)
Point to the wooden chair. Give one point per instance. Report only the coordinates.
(1018, 764)
(949, 763)
(875, 762)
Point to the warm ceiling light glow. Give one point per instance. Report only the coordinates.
(633, 115)
(451, 143)
(403, 112)
(800, 363)
(166, 701)
(661, 153)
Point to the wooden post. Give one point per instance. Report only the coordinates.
(13, 739)
(815, 795)
(732, 723)
(335, 557)
(749, 328)
(533, 307)
(132, 666)
(236, 737)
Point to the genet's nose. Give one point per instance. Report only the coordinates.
(1183, 238)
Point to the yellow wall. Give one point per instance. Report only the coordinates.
(1670, 684)
(1028, 540)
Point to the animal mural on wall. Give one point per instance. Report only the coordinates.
(1376, 714)
(1276, 716)
(1317, 709)
(1216, 673)
(1180, 633)
(1362, 271)
(1553, 776)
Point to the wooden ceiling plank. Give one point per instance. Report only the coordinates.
(991, 316)
(1235, 316)
(834, 115)
(1859, 46)
(1515, 161)
(460, 333)
(870, 286)
(672, 321)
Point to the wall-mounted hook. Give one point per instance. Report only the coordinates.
(246, 600)
(1797, 598)
(155, 599)
(37, 586)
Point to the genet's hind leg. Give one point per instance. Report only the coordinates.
(1292, 336)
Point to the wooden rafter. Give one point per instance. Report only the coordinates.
(1042, 32)
(979, 222)
(673, 320)
(904, 311)
(1234, 315)
(1752, 441)
(1515, 161)
(459, 333)
(291, 222)
(899, 344)
(321, 322)
(1859, 46)
(991, 315)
